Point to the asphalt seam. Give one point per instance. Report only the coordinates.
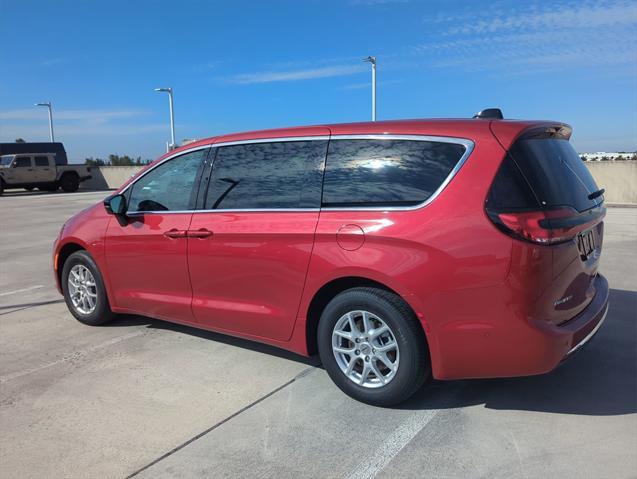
(36, 305)
(70, 357)
(301, 375)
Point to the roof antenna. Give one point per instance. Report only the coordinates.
(490, 113)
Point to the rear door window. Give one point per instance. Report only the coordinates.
(371, 173)
(555, 172)
(41, 161)
(283, 174)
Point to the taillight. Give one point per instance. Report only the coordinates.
(543, 227)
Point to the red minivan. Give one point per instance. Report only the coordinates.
(397, 250)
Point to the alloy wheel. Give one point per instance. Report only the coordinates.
(82, 289)
(365, 349)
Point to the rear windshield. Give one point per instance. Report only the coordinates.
(555, 173)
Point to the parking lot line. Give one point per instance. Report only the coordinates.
(23, 290)
(392, 445)
(75, 355)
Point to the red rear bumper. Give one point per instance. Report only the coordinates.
(513, 345)
(585, 325)
(554, 343)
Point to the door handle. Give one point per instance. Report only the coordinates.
(175, 233)
(201, 233)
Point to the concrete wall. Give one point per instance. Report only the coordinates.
(109, 177)
(619, 178)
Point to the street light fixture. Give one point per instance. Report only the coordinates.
(172, 115)
(372, 60)
(48, 105)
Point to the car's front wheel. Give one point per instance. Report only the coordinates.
(372, 346)
(84, 290)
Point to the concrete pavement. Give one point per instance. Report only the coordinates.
(151, 399)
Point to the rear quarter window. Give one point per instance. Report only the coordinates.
(386, 172)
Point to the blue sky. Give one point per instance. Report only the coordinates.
(241, 65)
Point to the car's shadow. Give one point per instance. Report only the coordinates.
(599, 380)
(132, 320)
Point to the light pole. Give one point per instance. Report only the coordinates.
(172, 115)
(48, 105)
(372, 60)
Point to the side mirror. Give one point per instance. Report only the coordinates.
(115, 205)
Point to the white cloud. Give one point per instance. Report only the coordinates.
(8, 132)
(549, 16)
(541, 36)
(95, 116)
(297, 75)
(31, 123)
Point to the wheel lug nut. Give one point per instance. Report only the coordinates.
(366, 359)
(357, 352)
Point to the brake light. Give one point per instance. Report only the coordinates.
(542, 227)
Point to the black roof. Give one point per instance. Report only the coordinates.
(48, 147)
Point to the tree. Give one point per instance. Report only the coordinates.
(94, 161)
(116, 160)
(20, 140)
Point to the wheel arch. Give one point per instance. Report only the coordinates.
(327, 292)
(65, 251)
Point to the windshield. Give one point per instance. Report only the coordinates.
(6, 160)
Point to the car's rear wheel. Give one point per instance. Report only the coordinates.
(84, 290)
(372, 346)
(70, 182)
(1, 187)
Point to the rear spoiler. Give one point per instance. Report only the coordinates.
(508, 132)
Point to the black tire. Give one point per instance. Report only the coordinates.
(102, 312)
(414, 364)
(70, 182)
(1, 187)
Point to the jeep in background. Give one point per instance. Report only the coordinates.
(40, 170)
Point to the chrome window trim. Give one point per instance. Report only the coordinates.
(468, 145)
(590, 335)
(272, 140)
(243, 210)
